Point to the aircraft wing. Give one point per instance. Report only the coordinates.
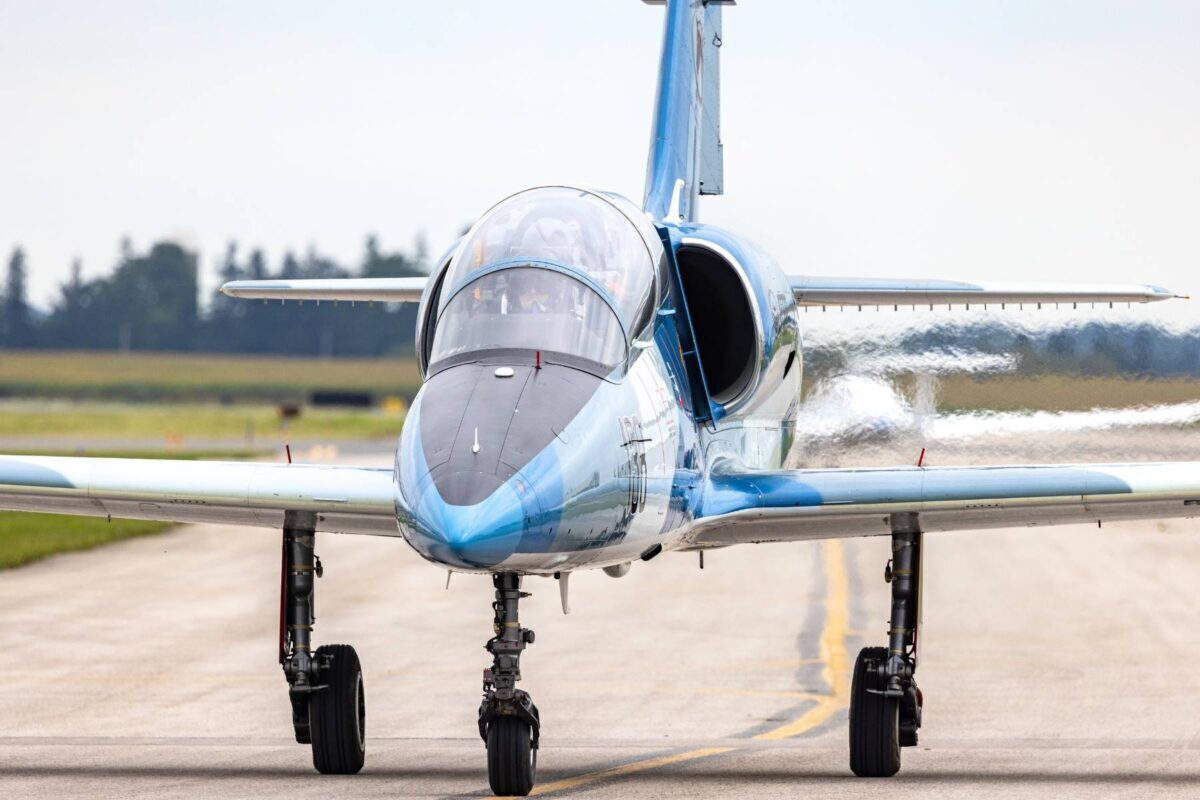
(788, 505)
(382, 290)
(345, 499)
(816, 291)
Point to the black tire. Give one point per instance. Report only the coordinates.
(874, 720)
(512, 759)
(337, 715)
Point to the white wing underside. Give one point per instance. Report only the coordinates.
(790, 505)
(736, 508)
(345, 499)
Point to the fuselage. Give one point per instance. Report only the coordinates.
(535, 460)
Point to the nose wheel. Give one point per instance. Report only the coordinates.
(512, 758)
(508, 719)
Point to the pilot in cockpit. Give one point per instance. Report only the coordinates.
(531, 297)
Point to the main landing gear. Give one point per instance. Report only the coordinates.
(885, 703)
(508, 719)
(329, 708)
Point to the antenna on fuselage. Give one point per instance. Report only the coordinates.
(563, 579)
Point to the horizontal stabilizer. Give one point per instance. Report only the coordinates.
(381, 290)
(814, 291)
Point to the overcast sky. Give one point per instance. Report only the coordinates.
(1016, 140)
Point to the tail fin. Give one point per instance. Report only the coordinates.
(686, 158)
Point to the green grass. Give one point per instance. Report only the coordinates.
(25, 538)
(1060, 393)
(175, 424)
(1006, 392)
(192, 376)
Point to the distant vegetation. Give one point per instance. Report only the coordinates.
(70, 423)
(150, 301)
(1055, 392)
(1092, 348)
(25, 538)
(195, 377)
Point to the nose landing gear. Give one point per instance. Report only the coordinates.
(508, 719)
(885, 703)
(329, 707)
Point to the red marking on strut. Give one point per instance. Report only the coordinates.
(921, 458)
(287, 448)
(538, 355)
(283, 603)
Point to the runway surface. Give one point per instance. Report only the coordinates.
(1056, 661)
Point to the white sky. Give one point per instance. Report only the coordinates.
(1015, 140)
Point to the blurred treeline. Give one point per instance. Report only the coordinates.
(1086, 347)
(151, 301)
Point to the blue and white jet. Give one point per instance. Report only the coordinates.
(605, 381)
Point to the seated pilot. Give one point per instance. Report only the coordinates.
(524, 295)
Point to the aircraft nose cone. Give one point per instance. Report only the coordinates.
(466, 479)
(479, 536)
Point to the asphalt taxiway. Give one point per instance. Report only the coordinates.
(1054, 661)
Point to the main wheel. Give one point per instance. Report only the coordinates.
(512, 760)
(337, 714)
(874, 720)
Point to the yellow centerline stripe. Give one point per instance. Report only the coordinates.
(833, 648)
(626, 769)
(836, 674)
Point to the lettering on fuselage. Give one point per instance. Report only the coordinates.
(635, 465)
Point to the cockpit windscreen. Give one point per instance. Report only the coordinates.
(529, 309)
(571, 227)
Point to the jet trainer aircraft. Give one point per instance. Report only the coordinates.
(605, 382)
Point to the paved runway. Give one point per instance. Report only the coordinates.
(1054, 662)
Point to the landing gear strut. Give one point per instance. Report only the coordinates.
(508, 719)
(885, 703)
(325, 687)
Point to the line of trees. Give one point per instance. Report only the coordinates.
(1082, 347)
(150, 301)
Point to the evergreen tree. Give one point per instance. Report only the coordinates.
(16, 323)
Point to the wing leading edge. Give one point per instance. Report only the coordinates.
(789, 505)
(814, 291)
(345, 499)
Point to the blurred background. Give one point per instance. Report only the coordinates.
(149, 152)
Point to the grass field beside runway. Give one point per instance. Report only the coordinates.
(25, 538)
(73, 422)
(196, 376)
(1059, 392)
(1008, 392)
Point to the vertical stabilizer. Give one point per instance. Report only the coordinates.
(686, 157)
